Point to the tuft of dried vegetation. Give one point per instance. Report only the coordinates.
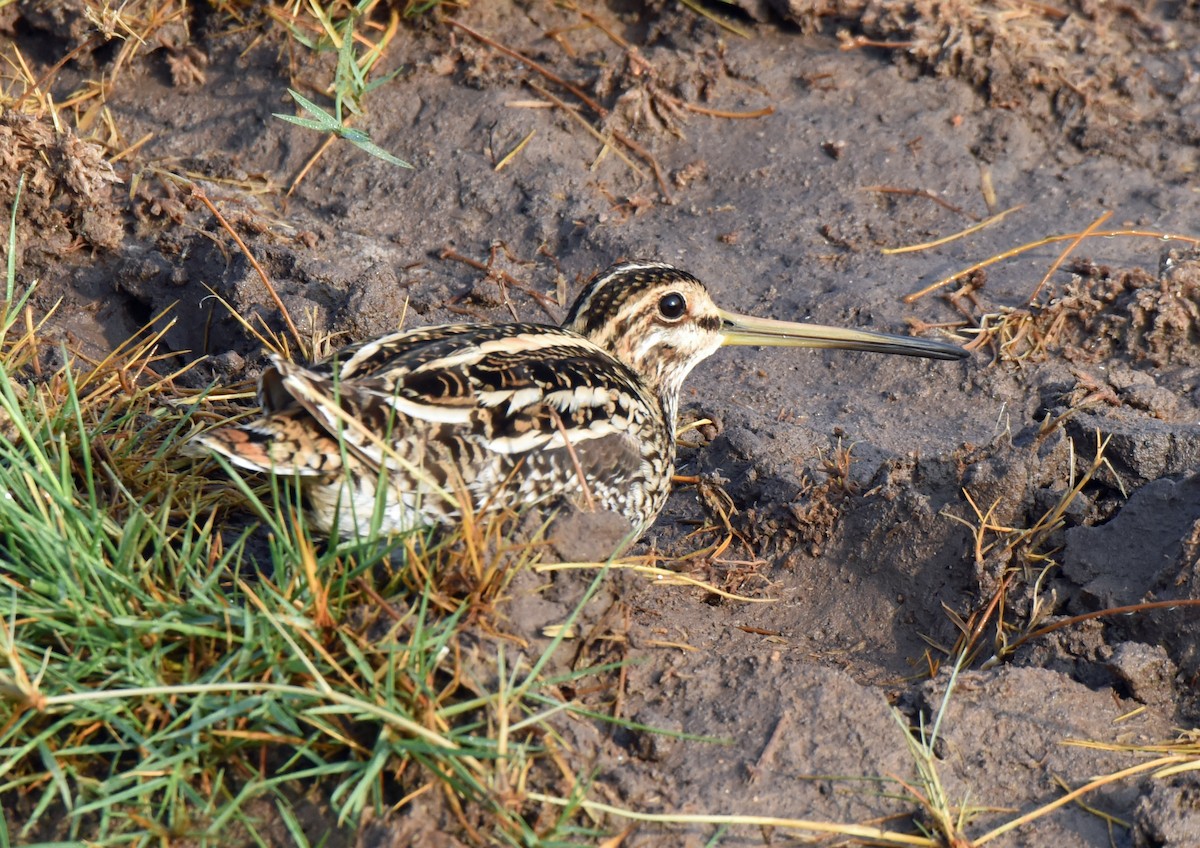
(1008, 557)
(1100, 313)
(817, 507)
(1150, 319)
(1097, 314)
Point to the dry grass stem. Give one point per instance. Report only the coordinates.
(874, 834)
(200, 195)
(1067, 251)
(1033, 245)
(1019, 548)
(592, 131)
(512, 154)
(982, 225)
(659, 576)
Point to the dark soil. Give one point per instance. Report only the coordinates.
(845, 472)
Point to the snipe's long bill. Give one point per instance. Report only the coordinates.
(402, 430)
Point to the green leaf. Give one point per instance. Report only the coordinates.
(378, 152)
(310, 107)
(309, 123)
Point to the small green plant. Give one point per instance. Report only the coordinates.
(323, 121)
(350, 82)
(945, 824)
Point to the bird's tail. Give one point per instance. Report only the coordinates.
(277, 444)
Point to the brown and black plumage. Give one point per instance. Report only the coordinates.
(512, 415)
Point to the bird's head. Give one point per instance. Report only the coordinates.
(661, 322)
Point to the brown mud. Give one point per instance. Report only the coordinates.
(841, 474)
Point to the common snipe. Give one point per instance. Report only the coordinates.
(511, 415)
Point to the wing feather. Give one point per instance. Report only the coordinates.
(539, 395)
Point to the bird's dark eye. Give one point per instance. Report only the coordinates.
(672, 306)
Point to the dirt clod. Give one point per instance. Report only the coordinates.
(67, 185)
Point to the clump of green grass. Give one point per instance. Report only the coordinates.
(159, 677)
